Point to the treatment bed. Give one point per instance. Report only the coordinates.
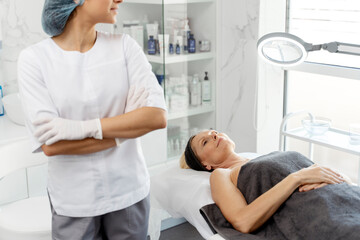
(180, 193)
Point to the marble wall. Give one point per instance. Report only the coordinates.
(239, 24)
(21, 27)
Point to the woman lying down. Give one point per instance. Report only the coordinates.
(282, 195)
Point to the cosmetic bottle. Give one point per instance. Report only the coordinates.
(186, 35)
(191, 44)
(151, 46)
(171, 48)
(1, 103)
(195, 91)
(144, 22)
(206, 90)
(177, 49)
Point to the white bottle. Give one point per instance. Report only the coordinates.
(1, 103)
(206, 90)
(144, 22)
(195, 91)
(186, 35)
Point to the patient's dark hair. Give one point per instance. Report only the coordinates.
(191, 159)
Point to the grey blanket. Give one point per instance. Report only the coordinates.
(330, 212)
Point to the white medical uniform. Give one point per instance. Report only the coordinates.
(84, 86)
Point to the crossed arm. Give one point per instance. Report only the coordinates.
(129, 125)
(246, 217)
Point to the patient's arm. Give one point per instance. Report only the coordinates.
(248, 217)
(85, 146)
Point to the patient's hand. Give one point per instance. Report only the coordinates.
(308, 187)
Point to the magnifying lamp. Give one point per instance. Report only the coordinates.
(285, 49)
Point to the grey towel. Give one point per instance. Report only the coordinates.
(331, 212)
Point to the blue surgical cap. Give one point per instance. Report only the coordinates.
(56, 13)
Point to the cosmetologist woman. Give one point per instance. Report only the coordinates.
(87, 97)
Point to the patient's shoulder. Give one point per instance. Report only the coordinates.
(225, 175)
(220, 174)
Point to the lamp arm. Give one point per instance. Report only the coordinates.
(309, 47)
(339, 47)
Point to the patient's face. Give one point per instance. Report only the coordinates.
(211, 147)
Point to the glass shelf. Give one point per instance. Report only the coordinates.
(333, 138)
(180, 58)
(191, 112)
(168, 1)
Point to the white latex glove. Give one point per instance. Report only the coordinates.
(136, 98)
(52, 130)
(119, 141)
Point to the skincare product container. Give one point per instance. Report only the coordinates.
(186, 35)
(163, 41)
(152, 30)
(204, 46)
(179, 40)
(144, 22)
(179, 103)
(1, 103)
(171, 48)
(195, 91)
(160, 74)
(178, 48)
(191, 44)
(137, 32)
(206, 90)
(151, 46)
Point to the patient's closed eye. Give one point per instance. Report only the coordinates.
(204, 143)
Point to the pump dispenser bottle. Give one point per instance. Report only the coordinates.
(206, 90)
(186, 35)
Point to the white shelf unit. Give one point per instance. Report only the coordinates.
(191, 112)
(168, 1)
(334, 138)
(202, 22)
(180, 58)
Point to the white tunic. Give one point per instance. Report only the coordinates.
(83, 86)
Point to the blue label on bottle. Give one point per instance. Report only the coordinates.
(151, 47)
(192, 46)
(171, 49)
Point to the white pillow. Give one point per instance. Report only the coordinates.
(182, 192)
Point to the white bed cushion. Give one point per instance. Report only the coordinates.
(182, 192)
(28, 219)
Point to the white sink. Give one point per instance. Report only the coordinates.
(13, 108)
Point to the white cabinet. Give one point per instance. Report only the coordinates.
(22, 183)
(184, 119)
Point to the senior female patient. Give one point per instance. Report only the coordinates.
(88, 96)
(259, 197)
